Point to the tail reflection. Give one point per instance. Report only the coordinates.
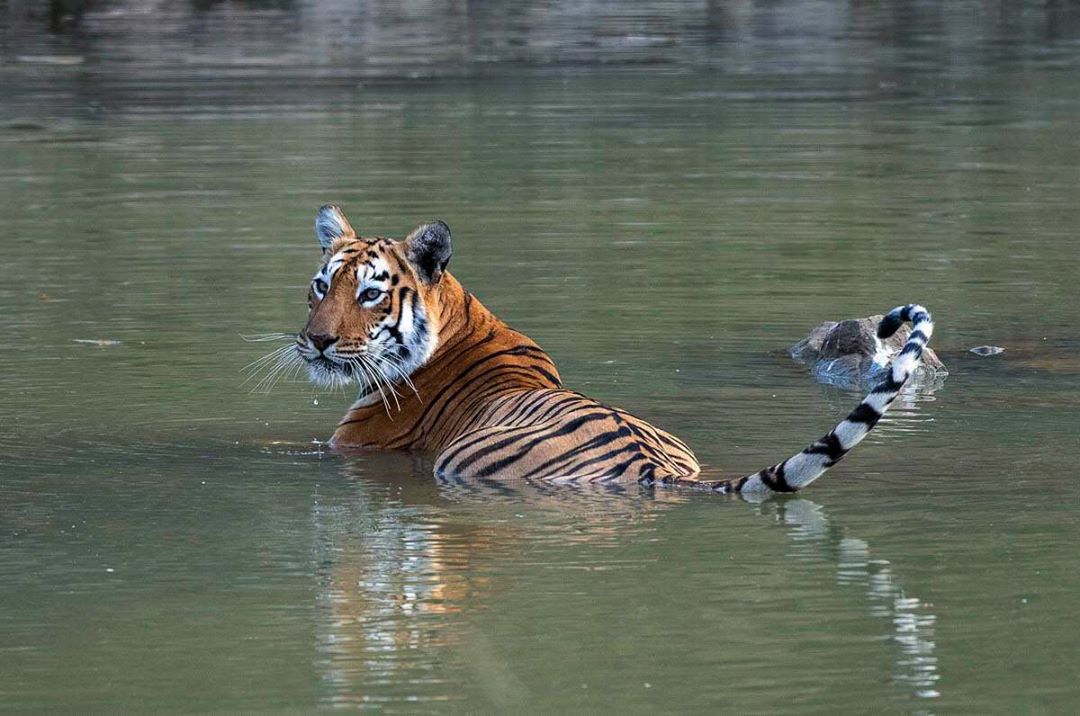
(911, 624)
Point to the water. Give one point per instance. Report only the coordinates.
(665, 199)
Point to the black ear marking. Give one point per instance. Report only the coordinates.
(428, 249)
(331, 225)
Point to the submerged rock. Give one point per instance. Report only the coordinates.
(849, 354)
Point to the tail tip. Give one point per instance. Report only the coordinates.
(895, 318)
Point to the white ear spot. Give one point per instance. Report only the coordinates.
(331, 225)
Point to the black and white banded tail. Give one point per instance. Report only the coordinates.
(800, 470)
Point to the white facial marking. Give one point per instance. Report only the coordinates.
(372, 275)
(407, 320)
(336, 261)
(322, 279)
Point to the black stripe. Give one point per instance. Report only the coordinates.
(620, 469)
(451, 385)
(597, 441)
(865, 414)
(564, 429)
(523, 450)
(552, 408)
(829, 446)
(548, 375)
(504, 381)
(657, 453)
(775, 480)
(889, 325)
(456, 349)
(523, 430)
(466, 423)
(531, 401)
(403, 296)
(578, 469)
(481, 450)
(653, 433)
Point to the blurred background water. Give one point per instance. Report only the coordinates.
(665, 195)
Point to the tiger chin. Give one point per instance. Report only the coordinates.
(438, 372)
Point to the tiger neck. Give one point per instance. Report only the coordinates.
(477, 359)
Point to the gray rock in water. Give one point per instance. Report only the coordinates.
(849, 353)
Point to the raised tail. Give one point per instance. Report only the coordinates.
(800, 470)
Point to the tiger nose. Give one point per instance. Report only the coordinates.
(322, 341)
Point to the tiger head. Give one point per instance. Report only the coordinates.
(373, 305)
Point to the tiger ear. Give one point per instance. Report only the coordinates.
(428, 249)
(331, 225)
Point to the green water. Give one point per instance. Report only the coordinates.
(665, 199)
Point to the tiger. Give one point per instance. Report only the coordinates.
(440, 373)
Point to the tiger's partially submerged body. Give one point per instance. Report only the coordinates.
(439, 372)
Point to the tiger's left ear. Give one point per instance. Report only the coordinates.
(331, 225)
(428, 249)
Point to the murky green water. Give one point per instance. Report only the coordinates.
(665, 198)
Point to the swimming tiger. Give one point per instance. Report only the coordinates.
(439, 372)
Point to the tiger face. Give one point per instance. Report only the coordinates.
(373, 305)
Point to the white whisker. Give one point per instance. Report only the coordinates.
(389, 360)
(378, 385)
(283, 364)
(263, 337)
(376, 370)
(258, 363)
(369, 370)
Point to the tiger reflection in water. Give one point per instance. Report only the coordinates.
(413, 576)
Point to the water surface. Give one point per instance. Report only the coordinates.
(665, 199)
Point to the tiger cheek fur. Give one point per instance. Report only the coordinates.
(437, 371)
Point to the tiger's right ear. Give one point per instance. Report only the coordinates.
(331, 225)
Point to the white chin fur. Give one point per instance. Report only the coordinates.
(325, 378)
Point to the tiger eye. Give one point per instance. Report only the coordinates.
(370, 294)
